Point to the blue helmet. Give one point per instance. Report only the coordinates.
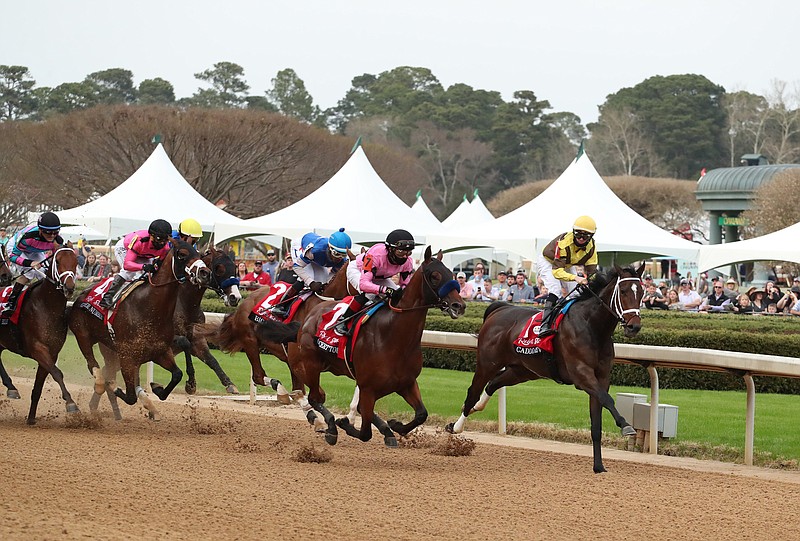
(340, 242)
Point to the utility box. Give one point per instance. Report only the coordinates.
(667, 418)
(625, 402)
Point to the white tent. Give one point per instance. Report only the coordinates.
(468, 214)
(622, 234)
(355, 198)
(424, 214)
(778, 246)
(155, 190)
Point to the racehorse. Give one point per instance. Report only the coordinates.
(188, 313)
(238, 332)
(386, 357)
(42, 327)
(5, 272)
(583, 349)
(143, 328)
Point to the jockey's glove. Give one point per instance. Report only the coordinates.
(316, 287)
(149, 268)
(387, 291)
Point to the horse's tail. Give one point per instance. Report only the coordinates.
(275, 331)
(221, 335)
(494, 306)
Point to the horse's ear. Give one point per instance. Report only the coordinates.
(350, 255)
(439, 255)
(427, 254)
(363, 250)
(640, 270)
(68, 244)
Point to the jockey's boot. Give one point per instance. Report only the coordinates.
(281, 309)
(547, 316)
(108, 299)
(341, 325)
(11, 303)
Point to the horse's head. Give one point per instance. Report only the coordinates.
(223, 276)
(626, 298)
(63, 270)
(440, 287)
(187, 264)
(5, 272)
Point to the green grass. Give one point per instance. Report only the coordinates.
(710, 418)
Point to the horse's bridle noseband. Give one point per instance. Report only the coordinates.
(616, 308)
(58, 278)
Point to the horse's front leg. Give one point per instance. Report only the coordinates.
(260, 376)
(181, 343)
(12, 391)
(167, 361)
(596, 417)
(130, 371)
(411, 395)
(201, 351)
(47, 364)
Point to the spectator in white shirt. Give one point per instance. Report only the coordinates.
(486, 293)
(688, 297)
(476, 280)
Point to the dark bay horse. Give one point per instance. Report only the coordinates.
(143, 328)
(5, 272)
(238, 332)
(386, 358)
(583, 349)
(188, 313)
(42, 327)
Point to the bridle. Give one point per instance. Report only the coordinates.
(441, 304)
(59, 279)
(615, 305)
(188, 271)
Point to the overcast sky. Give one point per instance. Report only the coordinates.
(572, 53)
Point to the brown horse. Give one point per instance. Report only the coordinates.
(188, 313)
(386, 357)
(583, 349)
(143, 328)
(5, 272)
(238, 332)
(42, 327)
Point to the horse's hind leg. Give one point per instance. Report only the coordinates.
(12, 391)
(389, 438)
(167, 362)
(36, 393)
(260, 376)
(596, 417)
(181, 343)
(201, 351)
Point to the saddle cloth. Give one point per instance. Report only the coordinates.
(4, 294)
(262, 311)
(331, 341)
(91, 303)
(528, 341)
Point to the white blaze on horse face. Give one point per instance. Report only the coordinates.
(635, 289)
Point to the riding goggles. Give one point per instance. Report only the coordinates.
(582, 235)
(158, 240)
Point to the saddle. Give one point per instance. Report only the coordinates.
(262, 311)
(91, 302)
(329, 340)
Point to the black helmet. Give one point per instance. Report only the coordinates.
(401, 239)
(160, 229)
(49, 222)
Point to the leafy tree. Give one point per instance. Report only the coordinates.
(68, 97)
(260, 103)
(113, 86)
(683, 117)
(228, 86)
(17, 99)
(155, 92)
(290, 96)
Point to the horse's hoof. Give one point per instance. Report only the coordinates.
(99, 388)
(600, 469)
(13, 393)
(628, 430)
(190, 389)
(72, 408)
(284, 399)
(331, 439)
(158, 390)
(232, 389)
(153, 416)
(450, 428)
(390, 441)
(30, 421)
(344, 422)
(320, 425)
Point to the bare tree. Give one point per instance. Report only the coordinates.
(619, 130)
(784, 123)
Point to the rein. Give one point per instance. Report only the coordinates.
(616, 309)
(442, 304)
(187, 270)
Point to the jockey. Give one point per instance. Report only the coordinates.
(555, 264)
(316, 261)
(29, 247)
(373, 271)
(137, 253)
(189, 231)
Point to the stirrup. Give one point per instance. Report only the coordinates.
(341, 328)
(546, 331)
(280, 311)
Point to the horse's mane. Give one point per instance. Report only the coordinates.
(601, 280)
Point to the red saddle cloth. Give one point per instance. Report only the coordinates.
(4, 294)
(262, 311)
(91, 303)
(528, 341)
(327, 338)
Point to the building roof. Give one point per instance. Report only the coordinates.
(732, 188)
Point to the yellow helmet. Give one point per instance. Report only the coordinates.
(585, 223)
(191, 228)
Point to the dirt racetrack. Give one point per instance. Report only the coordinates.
(217, 470)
